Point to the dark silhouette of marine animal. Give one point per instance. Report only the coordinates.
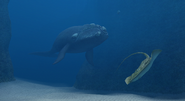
(77, 39)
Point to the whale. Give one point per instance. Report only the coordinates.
(77, 39)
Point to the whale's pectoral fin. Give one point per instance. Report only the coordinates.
(89, 56)
(62, 53)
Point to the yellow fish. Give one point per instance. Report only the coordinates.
(144, 66)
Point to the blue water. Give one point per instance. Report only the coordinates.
(36, 23)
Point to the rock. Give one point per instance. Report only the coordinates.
(6, 68)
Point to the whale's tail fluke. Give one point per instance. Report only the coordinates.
(45, 54)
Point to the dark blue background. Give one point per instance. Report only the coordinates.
(36, 24)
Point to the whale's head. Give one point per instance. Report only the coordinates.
(89, 36)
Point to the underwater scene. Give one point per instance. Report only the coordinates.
(92, 50)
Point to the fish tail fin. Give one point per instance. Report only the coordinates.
(155, 53)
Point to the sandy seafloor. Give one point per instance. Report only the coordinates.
(21, 90)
